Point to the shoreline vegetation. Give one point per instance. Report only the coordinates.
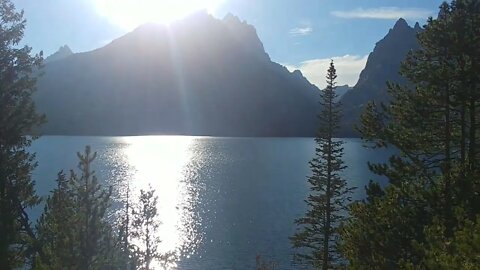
(427, 217)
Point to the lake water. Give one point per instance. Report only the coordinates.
(222, 201)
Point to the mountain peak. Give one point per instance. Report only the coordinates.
(400, 39)
(383, 65)
(65, 48)
(399, 30)
(62, 52)
(246, 34)
(230, 18)
(401, 23)
(199, 29)
(297, 73)
(417, 27)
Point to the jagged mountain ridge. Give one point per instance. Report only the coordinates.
(63, 52)
(202, 76)
(383, 65)
(199, 76)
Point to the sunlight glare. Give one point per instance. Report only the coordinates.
(129, 14)
(160, 161)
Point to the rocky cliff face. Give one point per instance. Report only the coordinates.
(383, 65)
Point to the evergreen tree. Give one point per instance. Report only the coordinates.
(74, 230)
(17, 119)
(129, 257)
(144, 229)
(316, 238)
(435, 128)
(93, 202)
(56, 228)
(457, 252)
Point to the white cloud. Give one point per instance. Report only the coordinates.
(387, 13)
(301, 31)
(348, 69)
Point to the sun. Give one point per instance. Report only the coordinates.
(129, 14)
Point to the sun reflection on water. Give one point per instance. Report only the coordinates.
(161, 161)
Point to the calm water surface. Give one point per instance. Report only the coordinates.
(222, 201)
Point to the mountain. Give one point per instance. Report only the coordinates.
(198, 76)
(342, 90)
(201, 76)
(383, 65)
(63, 52)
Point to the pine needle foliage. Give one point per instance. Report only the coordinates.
(18, 118)
(74, 229)
(434, 123)
(315, 241)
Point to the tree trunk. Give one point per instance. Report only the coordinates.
(326, 243)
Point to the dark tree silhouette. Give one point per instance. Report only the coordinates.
(434, 179)
(144, 230)
(315, 241)
(74, 230)
(17, 119)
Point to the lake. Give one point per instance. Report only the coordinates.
(222, 201)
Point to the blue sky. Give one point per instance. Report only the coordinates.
(301, 34)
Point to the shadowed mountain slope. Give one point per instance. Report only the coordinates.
(198, 76)
(201, 76)
(383, 65)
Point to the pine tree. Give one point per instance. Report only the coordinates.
(435, 127)
(316, 238)
(17, 119)
(56, 228)
(144, 229)
(93, 201)
(129, 258)
(458, 252)
(74, 230)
